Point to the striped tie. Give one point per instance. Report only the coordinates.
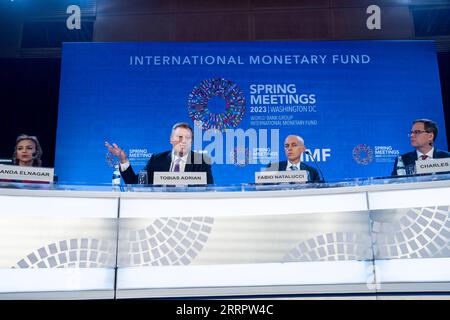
(294, 168)
(423, 157)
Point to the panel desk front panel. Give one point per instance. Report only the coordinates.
(57, 244)
(243, 243)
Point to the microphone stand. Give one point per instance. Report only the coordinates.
(317, 165)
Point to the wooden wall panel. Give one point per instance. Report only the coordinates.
(211, 27)
(350, 23)
(124, 7)
(300, 24)
(214, 20)
(210, 5)
(134, 28)
(366, 3)
(279, 4)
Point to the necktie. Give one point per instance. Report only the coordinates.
(294, 168)
(423, 157)
(176, 168)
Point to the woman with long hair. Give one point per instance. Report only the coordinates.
(27, 152)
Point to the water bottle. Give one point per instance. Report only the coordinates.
(116, 176)
(143, 177)
(401, 170)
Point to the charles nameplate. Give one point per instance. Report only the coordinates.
(179, 178)
(433, 166)
(25, 174)
(299, 176)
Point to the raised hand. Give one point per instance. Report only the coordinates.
(115, 150)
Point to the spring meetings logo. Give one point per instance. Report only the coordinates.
(217, 87)
(364, 154)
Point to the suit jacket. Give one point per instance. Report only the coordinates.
(160, 162)
(409, 159)
(313, 175)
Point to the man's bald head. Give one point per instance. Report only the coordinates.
(294, 146)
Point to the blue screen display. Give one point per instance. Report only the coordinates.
(353, 103)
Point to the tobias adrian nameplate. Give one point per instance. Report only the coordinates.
(179, 178)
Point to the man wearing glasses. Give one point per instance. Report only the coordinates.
(294, 146)
(179, 159)
(423, 135)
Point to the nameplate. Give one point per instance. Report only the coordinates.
(299, 176)
(180, 178)
(35, 174)
(433, 165)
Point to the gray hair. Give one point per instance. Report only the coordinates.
(184, 125)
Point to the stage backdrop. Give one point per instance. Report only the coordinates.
(352, 102)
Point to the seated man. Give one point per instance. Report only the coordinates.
(179, 159)
(294, 146)
(423, 135)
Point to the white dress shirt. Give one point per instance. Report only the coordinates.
(183, 161)
(290, 164)
(429, 154)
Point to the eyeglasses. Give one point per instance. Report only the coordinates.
(417, 132)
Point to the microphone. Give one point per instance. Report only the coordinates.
(317, 165)
(34, 155)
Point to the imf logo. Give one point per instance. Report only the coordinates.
(363, 154)
(217, 103)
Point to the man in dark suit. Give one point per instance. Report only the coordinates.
(179, 159)
(294, 146)
(423, 135)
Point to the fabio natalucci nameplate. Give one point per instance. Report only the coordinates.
(299, 176)
(26, 173)
(433, 165)
(180, 178)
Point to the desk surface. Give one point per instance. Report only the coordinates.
(245, 190)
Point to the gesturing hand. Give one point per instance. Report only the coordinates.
(115, 150)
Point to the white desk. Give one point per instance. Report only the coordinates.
(373, 237)
(57, 244)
